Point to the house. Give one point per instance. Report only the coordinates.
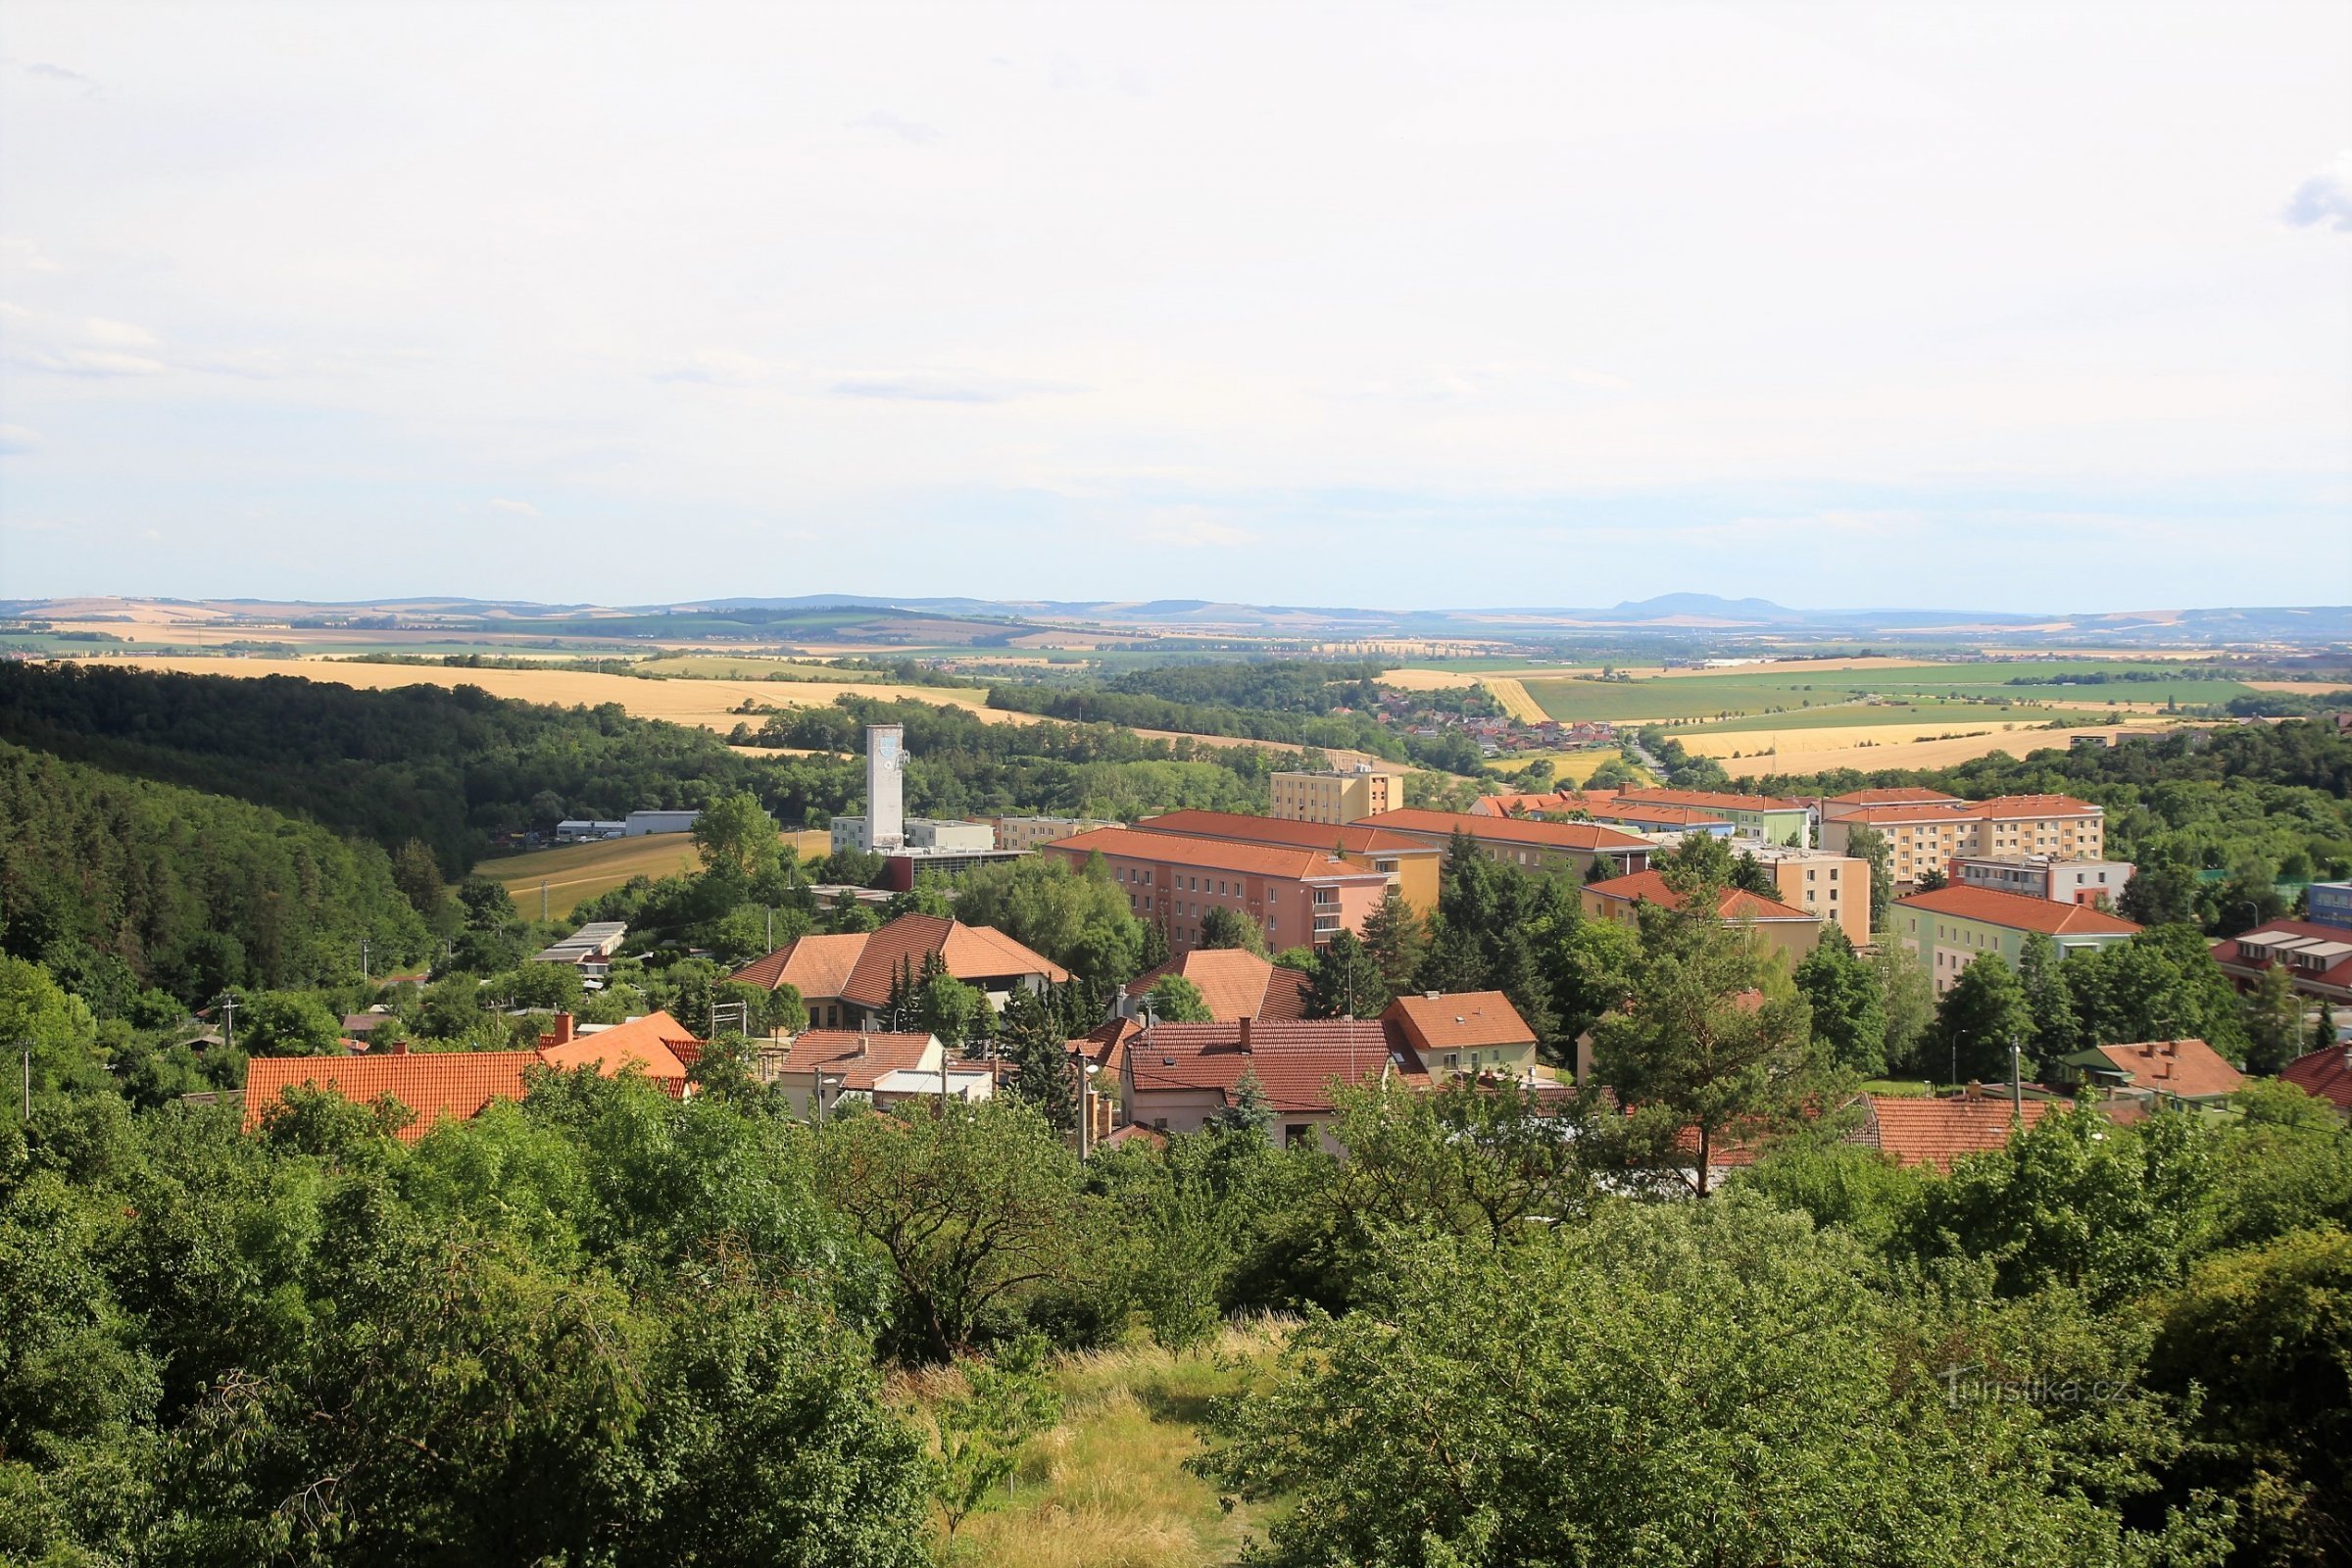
(1952, 927)
(1780, 927)
(1569, 847)
(845, 979)
(1410, 864)
(1234, 982)
(1176, 1076)
(2317, 958)
(1916, 1130)
(2325, 1073)
(822, 1067)
(1302, 896)
(459, 1084)
(1756, 816)
(2169, 1069)
(1475, 1034)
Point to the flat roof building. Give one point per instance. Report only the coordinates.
(1335, 795)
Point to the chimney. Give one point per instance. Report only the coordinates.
(1431, 996)
(563, 1033)
(1245, 1037)
(2148, 1049)
(859, 1052)
(1974, 1091)
(400, 1047)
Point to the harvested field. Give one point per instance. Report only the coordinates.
(577, 872)
(1513, 697)
(1871, 750)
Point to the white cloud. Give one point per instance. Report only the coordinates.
(898, 126)
(45, 71)
(2325, 198)
(718, 368)
(920, 387)
(15, 438)
(520, 508)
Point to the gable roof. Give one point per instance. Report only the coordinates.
(1282, 832)
(1708, 800)
(1468, 1020)
(1208, 854)
(1235, 983)
(1736, 903)
(2190, 1068)
(1579, 836)
(1919, 1131)
(1906, 796)
(815, 965)
(432, 1084)
(2019, 913)
(862, 1060)
(1293, 1061)
(641, 1042)
(2326, 1072)
(858, 965)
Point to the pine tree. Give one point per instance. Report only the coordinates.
(2057, 1031)
(1345, 982)
(1398, 939)
(1250, 1112)
(2273, 1021)
(1850, 1016)
(1032, 1039)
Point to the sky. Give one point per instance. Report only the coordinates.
(2021, 307)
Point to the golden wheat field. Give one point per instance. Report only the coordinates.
(710, 704)
(1875, 747)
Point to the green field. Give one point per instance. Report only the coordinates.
(1943, 690)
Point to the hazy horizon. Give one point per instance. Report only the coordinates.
(1408, 307)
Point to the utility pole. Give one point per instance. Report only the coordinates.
(2016, 1083)
(28, 1082)
(229, 1021)
(772, 928)
(362, 961)
(543, 898)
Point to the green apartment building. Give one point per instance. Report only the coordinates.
(1952, 927)
(1761, 817)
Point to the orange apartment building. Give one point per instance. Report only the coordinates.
(1925, 830)
(1531, 845)
(1409, 863)
(1302, 896)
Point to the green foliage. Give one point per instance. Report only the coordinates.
(736, 838)
(1396, 939)
(285, 1023)
(1172, 999)
(1868, 844)
(1978, 1019)
(1850, 1011)
(1008, 1399)
(1345, 982)
(1077, 918)
(1222, 926)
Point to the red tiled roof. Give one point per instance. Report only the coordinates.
(1943, 809)
(1210, 855)
(1896, 797)
(1736, 903)
(2188, 1067)
(1293, 1061)
(2326, 1072)
(1134, 1133)
(1105, 1045)
(1235, 826)
(2005, 805)
(1919, 1131)
(1920, 812)
(1706, 800)
(1579, 836)
(432, 1084)
(1469, 1021)
(2019, 913)
(1540, 801)
(641, 1042)
(1645, 812)
(861, 1059)
(1235, 983)
(815, 965)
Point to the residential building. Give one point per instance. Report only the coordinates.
(1570, 847)
(1781, 928)
(1337, 795)
(1659, 821)
(2331, 903)
(1028, 832)
(1175, 1076)
(2044, 876)
(1753, 816)
(1823, 882)
(1233, 982)
(1301, 897)
(1918, 1130)
(1925, 836)
(845, 979)
(2317, 958)
(2325, 1073)
(1952, 927)
(822, 1068)
(2176, 1070)
(590, 949)
(457, 1084)
(1837, 807)
(1475, 1034)
(1412, 864)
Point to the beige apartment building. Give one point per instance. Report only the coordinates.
(1337, 796)
(1927, 834)
(1028, 832)
(1822, 882)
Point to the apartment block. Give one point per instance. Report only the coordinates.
(1412, 864)
(1302, 897)
(1836, 887)
(1779, 927)
(1952, 927)
(1028, 832)
(1927, 835)
(2044, 876)
(1761, 817)
(1570, 847)
(1337, 795)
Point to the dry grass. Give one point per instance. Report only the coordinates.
(1513, 697)
(1890, 746)
(575, 873)
(709, 703)
(1569, 767)
(1108, 1488)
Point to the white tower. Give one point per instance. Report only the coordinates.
(885, 788)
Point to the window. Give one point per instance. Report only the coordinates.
(1294, 1134)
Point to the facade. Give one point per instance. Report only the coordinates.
(1410, 864)
(1754, 816)
(845, 979)
(2331, 905)
(885, 825)
(1337, 795)
(917, 834)
(2317, 958)
(1822, 882)
(1301, 897)
(1924, 836)
(1026, 833)
(2044, 876)
(1570, 847)
(1780, 927)
(583, 830)
(640, 823)
(1952, 927)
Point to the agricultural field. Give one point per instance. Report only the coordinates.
(1725, 695)
(1568, 767)
(1895, 746)
(1108, 1488)
(575, 873)
(710, 704)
